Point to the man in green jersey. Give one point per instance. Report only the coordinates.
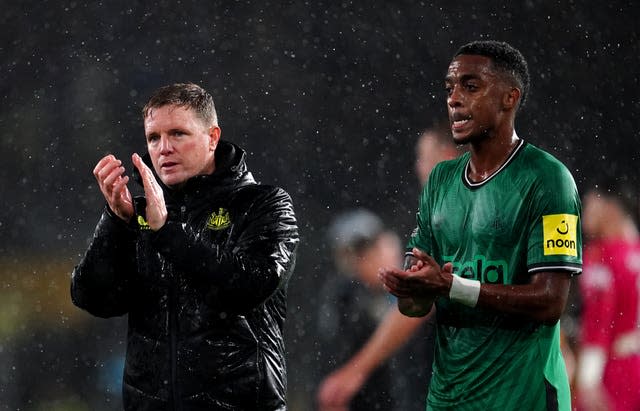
(497, 241)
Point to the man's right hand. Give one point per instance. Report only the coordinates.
(337, 390)
(109, 173)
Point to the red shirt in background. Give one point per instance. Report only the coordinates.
(610, 286)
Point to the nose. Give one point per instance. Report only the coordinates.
(454, 99)
(165, 145)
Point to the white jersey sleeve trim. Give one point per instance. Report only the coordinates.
(575, 270)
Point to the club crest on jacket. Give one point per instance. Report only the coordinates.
(219, 220)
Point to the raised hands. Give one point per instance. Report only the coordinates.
(424, 279)
(156, 209)
(109, 173)
(418, 286)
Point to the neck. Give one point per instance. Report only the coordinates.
(489, 154)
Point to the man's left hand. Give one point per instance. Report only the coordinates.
(156, 209)
(424, 279)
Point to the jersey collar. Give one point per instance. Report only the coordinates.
(471, 184)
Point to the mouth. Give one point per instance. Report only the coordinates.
(458, 121)
(168, 165)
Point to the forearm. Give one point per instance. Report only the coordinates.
(542, 300)
(245, 270)
(391, 334)
(199, 258)
(99, 283)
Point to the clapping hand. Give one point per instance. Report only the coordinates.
(156, 209)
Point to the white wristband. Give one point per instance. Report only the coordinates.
(464, 291)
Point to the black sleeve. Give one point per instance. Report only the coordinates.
(262, 259)
(99, 283)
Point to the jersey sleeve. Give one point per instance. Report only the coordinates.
(555, 239)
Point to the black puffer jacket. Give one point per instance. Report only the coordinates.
(205, 294)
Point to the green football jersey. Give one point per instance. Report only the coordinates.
(521, 220)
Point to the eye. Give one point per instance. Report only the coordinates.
(471, 86)
(152, 138)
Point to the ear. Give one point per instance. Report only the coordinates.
(511, 98)
(214, 137)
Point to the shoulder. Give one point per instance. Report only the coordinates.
(254, 192)
(545, 170)
(544, 163)
(265, 201)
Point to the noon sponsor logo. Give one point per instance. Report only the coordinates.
(560, 232)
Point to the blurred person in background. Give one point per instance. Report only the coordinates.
(434, 145)
(353, 303)
(410, 339)
(200, 264)
(608, 372)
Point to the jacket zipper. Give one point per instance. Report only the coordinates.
(173, 335)
(173, 327)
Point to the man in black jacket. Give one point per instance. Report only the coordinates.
(200, 265)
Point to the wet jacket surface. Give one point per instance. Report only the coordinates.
(205, 294)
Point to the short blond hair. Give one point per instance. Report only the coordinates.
(187, 95)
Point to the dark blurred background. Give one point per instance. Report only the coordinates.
(328, 98)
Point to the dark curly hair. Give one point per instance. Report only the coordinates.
(505, 58)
